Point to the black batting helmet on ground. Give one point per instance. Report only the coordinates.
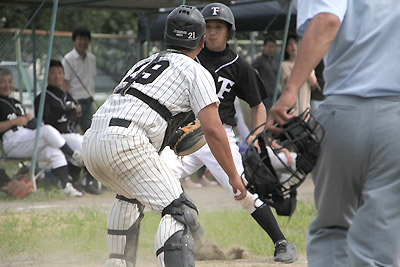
(185, 27)
(220, 12)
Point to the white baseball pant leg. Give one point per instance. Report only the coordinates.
(279, 161)
(74, 140)
(20, 144)
(191, 163)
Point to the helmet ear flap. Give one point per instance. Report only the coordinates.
(232, 31)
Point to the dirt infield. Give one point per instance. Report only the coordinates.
(206, 198)
(211, 198)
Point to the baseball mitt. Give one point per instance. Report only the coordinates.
(188, 139)
(18, 188)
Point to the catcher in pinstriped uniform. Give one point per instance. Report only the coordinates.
(121, 148)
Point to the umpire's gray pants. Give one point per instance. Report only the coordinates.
(357, 184)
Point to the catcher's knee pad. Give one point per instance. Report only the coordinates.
(178, 250)
(183, 210)
(123, 231)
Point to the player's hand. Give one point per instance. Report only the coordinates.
(237, 185)
(278, 115)
(78, 110)
(289, 157)
(250, 140)
(22, 120)
(28, 116)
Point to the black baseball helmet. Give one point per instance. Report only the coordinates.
(185, 27)
(220, 12)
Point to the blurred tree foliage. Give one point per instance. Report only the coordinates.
(122, 52)
(99, 21)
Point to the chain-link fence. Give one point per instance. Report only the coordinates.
(115, 54)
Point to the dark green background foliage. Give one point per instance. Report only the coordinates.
(68, 18)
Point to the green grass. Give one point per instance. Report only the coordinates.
(43, 235)
(37, 236)
(228, 228)
(46, 191)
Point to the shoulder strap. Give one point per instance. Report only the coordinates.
(123, 90)
(153, 103)
(12, 106)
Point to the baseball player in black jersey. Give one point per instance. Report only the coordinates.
(121, 148)
(61, 111)
(18, 133)
(234, 78)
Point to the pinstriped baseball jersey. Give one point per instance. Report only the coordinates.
(175, 80)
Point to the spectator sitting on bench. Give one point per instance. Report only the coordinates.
(18, 133)
(62, 111)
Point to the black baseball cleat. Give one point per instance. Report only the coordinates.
(285, 251)
(91, 188)
(78, 186)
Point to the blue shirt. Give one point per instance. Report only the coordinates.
(364, 58)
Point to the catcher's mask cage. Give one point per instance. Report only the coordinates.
(302, 135)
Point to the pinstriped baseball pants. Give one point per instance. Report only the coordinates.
(357, 184)
(131, 166)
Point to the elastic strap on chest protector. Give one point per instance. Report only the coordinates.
(174, 122)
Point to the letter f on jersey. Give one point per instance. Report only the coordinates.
(226, 86)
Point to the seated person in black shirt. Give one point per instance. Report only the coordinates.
(18, 134)
(62, 111)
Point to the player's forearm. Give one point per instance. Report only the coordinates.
(315, 43)
(259, 115)
(312, 80)
(216, 139)
(6, 125)
(219, 146)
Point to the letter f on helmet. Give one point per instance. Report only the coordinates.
(215, 10)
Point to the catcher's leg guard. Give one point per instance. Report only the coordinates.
(179, 248)
(185, 211)
(123, 231)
